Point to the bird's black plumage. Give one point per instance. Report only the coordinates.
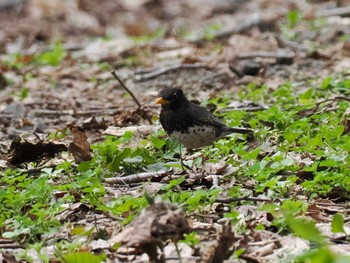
(191, 124)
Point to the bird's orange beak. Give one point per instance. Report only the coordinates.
(162, 101)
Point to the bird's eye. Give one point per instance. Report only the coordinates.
(174, 95)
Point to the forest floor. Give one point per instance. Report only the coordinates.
(88, 174)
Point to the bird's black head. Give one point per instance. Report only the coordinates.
(171, 98)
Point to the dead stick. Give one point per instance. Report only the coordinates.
(332, 204)
(247, 109)
(245, 198)
(265, 242)
(134, 178)
(266, 54)
(139, 109)
(333, 99)
(336, 98)
(340, 11)
(126, 88)
(166, 69)
(11, 246)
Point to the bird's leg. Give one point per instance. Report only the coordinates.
(178, 251)
(183, 165)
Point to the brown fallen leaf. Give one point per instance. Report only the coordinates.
(94, 124)
(137, 29)
(80, 147)
(225, 244)
(74, 212)
(3, 81)
(23, 151)
(147, 233)
(346, 121)
(126, 118)
(315, 212)
(9, 257)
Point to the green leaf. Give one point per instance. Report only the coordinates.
(175, 182)
(293, 17)
(321, 255)
(53, 57)
(190, 239)
(232, 215)
(305, 229)
(126, 137)
(251, 155)
(78, 230)
(308, 94)
(82, 257)
(338, 223)
(81, 230)
(24, 93)
(326, 83)
(156, 142)
(239, 252)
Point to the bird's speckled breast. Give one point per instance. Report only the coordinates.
(196, 136)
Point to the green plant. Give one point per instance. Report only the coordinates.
(79, 257)
(24, 93)
(321, 255)
(156, 34)
(191, 239)
(293, 17)
(305, 229)
(210, 31)
(53, 57)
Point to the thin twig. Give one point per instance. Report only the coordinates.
(178, 252)
(204, 216)
(292, 44)
(340, 11)
(247, 109)
(38, 112)
(245, 198)
(134, 178)
(140, 110)
(336, 98)
(163, 70)
(11, 246)
(332, 204)
(266, 242)
(235, 70)
(210, 77)
(333, 99)
(126, 88)
(266, 54)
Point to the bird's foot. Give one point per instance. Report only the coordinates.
(188, 169)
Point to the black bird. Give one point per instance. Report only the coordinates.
(192, 125)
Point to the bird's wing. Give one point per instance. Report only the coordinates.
(203, 116)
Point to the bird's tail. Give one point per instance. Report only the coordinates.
(239, 130)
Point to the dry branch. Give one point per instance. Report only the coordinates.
(340, 11)
(126, 88)
(135, 178)
(140, 109)
(266, 54)
(245, 198)
(336, 98)
(165, 69)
